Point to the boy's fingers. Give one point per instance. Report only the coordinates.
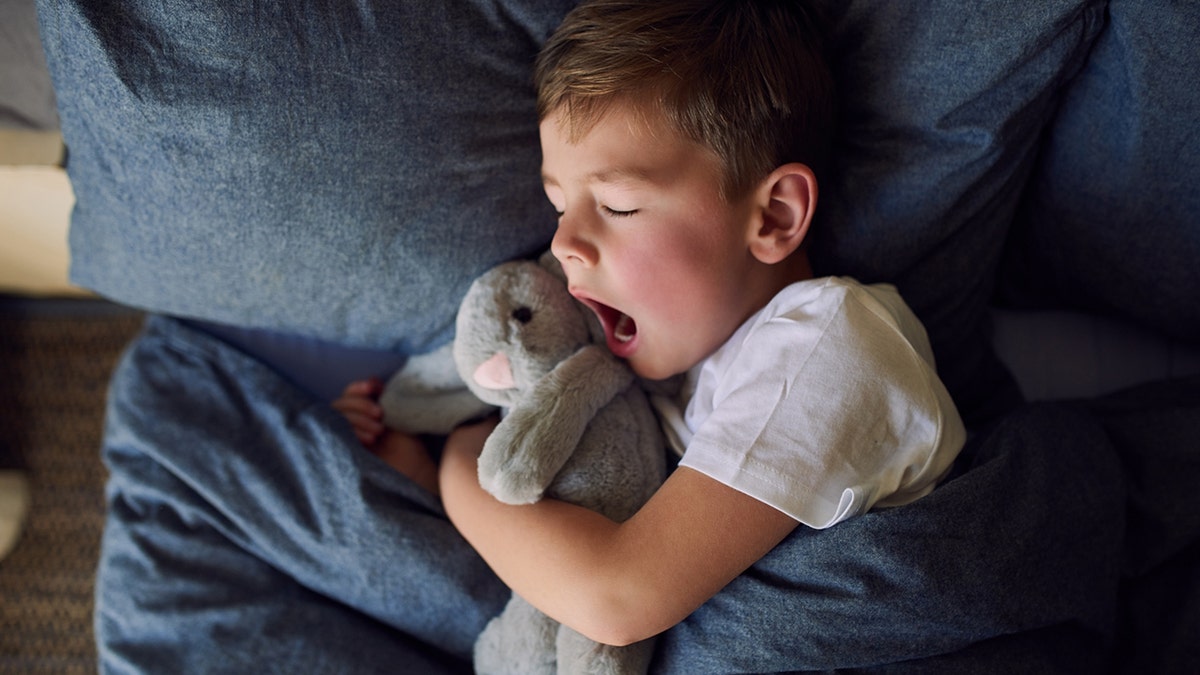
(367, 439)
(358, 405)
(364, 423)
(369, 387)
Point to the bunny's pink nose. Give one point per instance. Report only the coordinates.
(495, 373)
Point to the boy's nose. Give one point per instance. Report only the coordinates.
(570, 245)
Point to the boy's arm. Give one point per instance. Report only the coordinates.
(615, 583)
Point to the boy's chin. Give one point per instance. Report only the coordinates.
(650, 371)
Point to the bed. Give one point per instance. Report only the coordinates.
(300, 194)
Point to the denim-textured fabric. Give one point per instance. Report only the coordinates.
(1111, 222)
(330, 172)
(338, 170)
(248, 532)
(343, 173)
(1003, 547)
(943, 105)
(1156, 430)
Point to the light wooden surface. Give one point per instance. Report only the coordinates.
(35, 208)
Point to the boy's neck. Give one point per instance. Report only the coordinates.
(781, 275)
(801, 268)
(796, 268)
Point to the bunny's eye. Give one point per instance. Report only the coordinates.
(523, 314)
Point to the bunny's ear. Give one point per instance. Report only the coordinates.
(551, 264)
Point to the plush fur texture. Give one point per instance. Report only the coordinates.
(578, 427)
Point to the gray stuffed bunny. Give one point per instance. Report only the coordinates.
(578, 428)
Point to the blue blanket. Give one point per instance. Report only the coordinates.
(249, 532)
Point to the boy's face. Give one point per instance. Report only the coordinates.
(647, 241)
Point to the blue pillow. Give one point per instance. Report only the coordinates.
(340, 171)
(1112, 219)
(344, 175)
(942, 107)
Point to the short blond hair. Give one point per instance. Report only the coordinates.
(747, 79)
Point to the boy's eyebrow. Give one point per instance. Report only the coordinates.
(611, 176)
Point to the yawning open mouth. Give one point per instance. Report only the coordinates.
(620, 330)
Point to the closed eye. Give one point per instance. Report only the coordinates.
(618, 214)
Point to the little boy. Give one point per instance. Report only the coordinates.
(681, 143)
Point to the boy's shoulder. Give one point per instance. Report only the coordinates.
(869, 317)
(822, 295)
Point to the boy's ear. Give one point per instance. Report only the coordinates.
(785, 202)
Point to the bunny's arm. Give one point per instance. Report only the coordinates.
(530, 446)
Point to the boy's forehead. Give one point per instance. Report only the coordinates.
(576, 120)
(623, 143)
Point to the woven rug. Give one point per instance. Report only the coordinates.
(55, 362)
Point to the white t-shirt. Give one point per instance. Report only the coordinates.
(823, 404)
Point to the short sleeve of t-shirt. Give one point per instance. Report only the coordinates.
(824, 404)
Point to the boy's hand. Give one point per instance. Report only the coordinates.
(359, 403)
(408, 455)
